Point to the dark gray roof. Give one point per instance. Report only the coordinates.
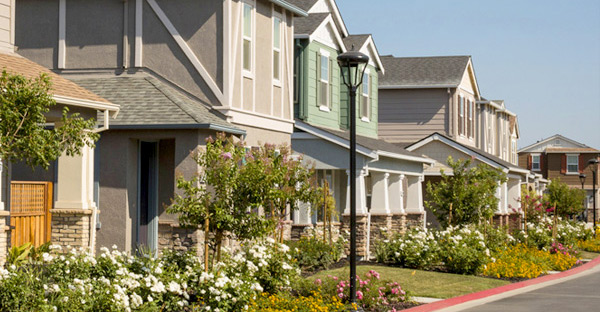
(149, 102)
(444, 71)
(303, 4)
(307, 25)
(371, 143)
(356, 40)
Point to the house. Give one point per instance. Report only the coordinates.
(389, 178)
(181, 71)
(559, 157)
(433, 106)
(72, 192)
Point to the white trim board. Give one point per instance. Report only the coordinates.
(257, 120)
(336, 140)
(326, 25)
(62, 33)
(189, 53)
(139, 12)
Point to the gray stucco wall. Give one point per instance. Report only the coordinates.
(36, 31)
(118, 178)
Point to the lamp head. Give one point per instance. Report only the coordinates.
(582, 178)
(350, 62)
(593, 164)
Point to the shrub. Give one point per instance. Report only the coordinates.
(591, 245)
(315, 302)
(312, 253)
(463, 250)
(416, 249)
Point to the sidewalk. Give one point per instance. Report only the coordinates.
(568, 287)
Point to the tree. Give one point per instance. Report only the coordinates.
(466, 196)
(567, 201)
(23, 134)
(234, 186)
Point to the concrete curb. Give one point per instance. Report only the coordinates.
(489, 295)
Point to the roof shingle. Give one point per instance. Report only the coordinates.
(307, 25)
(444, 71)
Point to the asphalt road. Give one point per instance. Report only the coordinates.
(578, 294)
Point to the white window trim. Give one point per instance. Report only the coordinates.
(539, 162)
(275, 14)
(576, 172)
(325, 53)
(362, 94)
(249, 73)
(461, 116)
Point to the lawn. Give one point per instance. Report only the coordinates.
(588, 255)
(423, 283)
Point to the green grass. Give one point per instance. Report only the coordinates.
(423, 283)
(588, 255)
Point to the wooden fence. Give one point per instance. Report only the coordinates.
(30, 219)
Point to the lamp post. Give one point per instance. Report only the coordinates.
(352, 75)
(594, 167)
(582, 180)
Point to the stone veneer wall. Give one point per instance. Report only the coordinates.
(414, 220)
(398, 223)
(172, 236)
(4, 238)
(514, 221)
(380, 225)
(361, 233)
(71, 227)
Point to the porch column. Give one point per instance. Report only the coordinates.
(4, 226)
(414, 203)
(380, 201)
(74, 205)
(362, 228)
(396, 201)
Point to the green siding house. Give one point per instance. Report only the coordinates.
(389, 178)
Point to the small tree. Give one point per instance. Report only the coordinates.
(466, 196)
(23, 135)
(568, 201)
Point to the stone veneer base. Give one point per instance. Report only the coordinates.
(71, 227)
(4, 239)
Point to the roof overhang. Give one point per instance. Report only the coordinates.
(336, 140)
(213, 127)
(290, 7)
(113, 109)
(407, 157)
(416, 86)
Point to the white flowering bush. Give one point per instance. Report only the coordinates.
(539, 233)
(417, 249)
(463, 249)
(116, 281)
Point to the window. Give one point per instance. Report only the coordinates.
(324, 80)
(513, 151)
(276, 48)
(490, 136)
(247, 37)
(461, 117)
(572, 163)
(365, 109)
(535, 162)
(470, 118)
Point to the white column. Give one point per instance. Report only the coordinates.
(75, 186)
(302, 214)
(396, 193)
(3, 184)
(414, 201)
(380, 200)
(361, 196)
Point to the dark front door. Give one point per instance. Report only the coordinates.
(147, 234)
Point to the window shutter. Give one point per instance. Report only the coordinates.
(529, 161)
(563, 163)
(581, 163)
(542, 163)
(318, 81)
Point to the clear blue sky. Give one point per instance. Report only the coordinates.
(541, 57)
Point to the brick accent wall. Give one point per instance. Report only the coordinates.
(71, 227)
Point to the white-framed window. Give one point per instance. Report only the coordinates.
(248, 38)
(365, 104)
(461, 116)
(535, 162)
(470, 119)
(277, 25)
(572, 163)
(513, 151)
(490, 131)
(324, 80)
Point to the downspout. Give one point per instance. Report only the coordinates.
(449, 115)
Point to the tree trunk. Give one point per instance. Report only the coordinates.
(206, 224)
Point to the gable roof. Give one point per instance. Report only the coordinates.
(482, 156)
(63, 90)
(290, 7)
(423, 72)
(364, 42)
(309, 6)
(147, 102)
(309, 24)
(365, 145)
(554, 137)
(304, 4)
(355, 41)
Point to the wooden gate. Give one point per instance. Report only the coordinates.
(30, 204)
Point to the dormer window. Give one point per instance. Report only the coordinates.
(461, 116)
(323, 80)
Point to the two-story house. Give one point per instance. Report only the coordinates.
(433, 106)
(389, 177)
(181, 71)
(25, 214)
(558, 157)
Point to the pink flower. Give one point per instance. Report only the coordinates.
(341, 295)
(359, 295)
(226, 155)
(318, 282)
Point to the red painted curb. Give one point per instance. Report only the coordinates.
(498, 290)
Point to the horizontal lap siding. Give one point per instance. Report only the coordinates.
(5, 23)
(409, 115)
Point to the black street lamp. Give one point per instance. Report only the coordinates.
(582, 180)
(352, 75)
(594, 167)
